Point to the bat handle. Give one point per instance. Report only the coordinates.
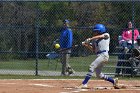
(83, 42)
(76, 45)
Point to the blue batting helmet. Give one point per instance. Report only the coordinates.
(100, 28)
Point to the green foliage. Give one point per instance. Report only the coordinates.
(8, 56)
(78, 63)
(124, 12)
(21, 20)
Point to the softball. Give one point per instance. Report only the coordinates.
(57, 46)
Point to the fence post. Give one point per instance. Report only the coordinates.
(133, 22)
(37, 37)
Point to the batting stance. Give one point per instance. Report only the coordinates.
(66, 40)
(100, 45)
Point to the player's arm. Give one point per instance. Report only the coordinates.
(99, 37)
(89, 46)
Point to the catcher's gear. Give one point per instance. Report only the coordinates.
(100, 28)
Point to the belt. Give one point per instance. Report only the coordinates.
(99, 52)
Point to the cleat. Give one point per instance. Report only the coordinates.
(116, 83)
(82, 86)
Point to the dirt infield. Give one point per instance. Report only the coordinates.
(64, 86)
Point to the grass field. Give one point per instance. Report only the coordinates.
(78, 63)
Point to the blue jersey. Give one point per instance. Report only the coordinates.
(66, 38)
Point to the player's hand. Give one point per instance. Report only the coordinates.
(87, 40)
(85, 44)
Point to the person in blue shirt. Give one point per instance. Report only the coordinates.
(66, 40)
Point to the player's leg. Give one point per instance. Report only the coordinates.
(63, 61)
(68, 67)
(99, 74)
(93, 66)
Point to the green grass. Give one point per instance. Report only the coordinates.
(78, 64)
(18, 64)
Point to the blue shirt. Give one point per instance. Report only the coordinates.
(66, 38)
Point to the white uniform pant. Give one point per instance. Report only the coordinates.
(98, 64)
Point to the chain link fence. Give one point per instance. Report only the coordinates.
(29, 29)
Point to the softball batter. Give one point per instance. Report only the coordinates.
(100, 45)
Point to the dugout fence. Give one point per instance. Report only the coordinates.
(29, 28)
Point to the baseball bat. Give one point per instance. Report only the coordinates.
(81, 44)
(64, 49)
(86, 41)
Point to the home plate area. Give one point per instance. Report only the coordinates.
(65, 86)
